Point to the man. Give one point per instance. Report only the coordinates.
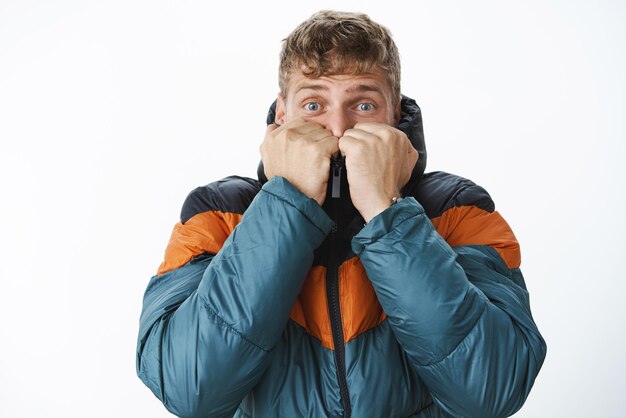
(350, 283)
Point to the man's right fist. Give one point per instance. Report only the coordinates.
(300, 152)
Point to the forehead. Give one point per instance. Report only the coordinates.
(374, 82)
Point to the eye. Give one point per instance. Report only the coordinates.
(365, 107)
(312, 106)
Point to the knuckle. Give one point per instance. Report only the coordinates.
(290, 132)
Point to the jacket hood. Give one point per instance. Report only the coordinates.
(410, 123)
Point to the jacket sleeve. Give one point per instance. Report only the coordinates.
(206, 328)
(461, 315)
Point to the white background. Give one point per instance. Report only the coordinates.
(112, 111)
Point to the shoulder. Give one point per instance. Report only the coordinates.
(231, 194)
(439, 191)
(209, 215)
(464, 214)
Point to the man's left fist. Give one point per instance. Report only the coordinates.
(379, 162)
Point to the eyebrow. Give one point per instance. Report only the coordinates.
(306, 86)
(364, 88)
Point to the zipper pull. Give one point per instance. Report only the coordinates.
(336, 183)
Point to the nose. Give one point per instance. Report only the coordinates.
(338, 121)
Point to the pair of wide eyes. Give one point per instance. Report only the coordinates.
(363, 107)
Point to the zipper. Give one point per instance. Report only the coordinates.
(337, 168)
(332, 290)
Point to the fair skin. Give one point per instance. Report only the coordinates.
(351, 114)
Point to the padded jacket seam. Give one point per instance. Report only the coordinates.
(221, 321)
(396, 228)
(461, 341)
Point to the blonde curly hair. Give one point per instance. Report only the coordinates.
(332, 42)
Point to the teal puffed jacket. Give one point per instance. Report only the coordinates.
(268, 305)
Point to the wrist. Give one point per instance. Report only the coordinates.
(379, 206)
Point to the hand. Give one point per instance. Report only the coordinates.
(300, 152)
(379, 162)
